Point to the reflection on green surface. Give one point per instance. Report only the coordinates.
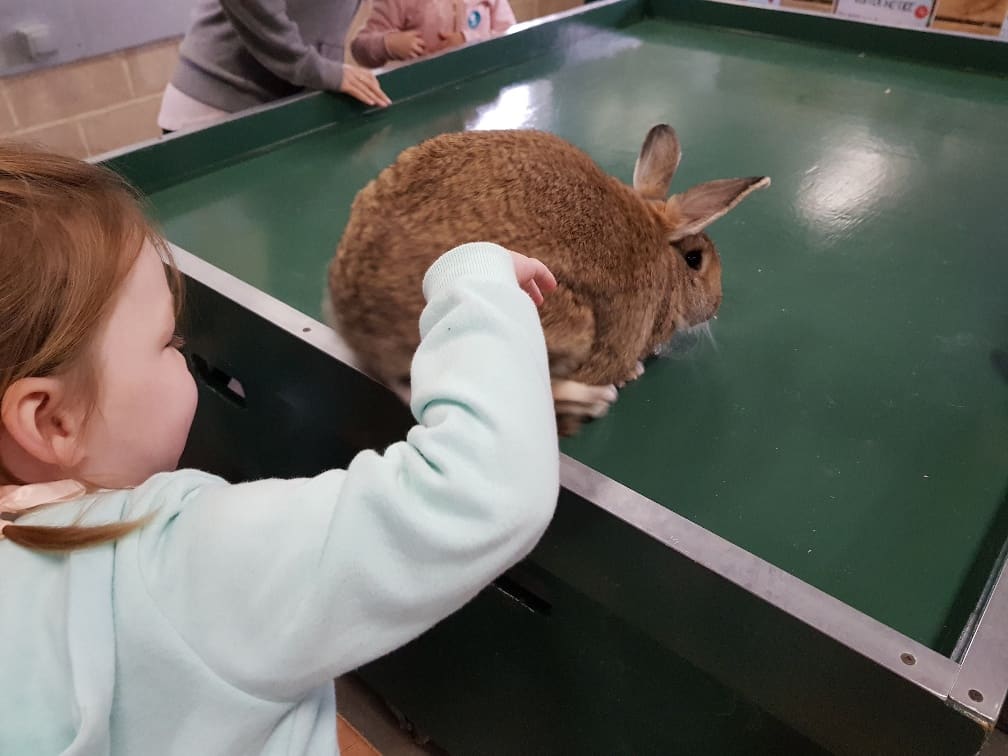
(851, 426)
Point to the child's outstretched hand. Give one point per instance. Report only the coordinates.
(533, 276)
(403, 45)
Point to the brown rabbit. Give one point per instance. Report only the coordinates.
(632, 266)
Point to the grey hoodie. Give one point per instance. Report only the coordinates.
(242, 53)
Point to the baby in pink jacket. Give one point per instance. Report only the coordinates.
(404, 29)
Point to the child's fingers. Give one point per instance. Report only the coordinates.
(365, 95)
(368, 96)
(375, 90)
(545, 279)
(416, 44)
(541, 275)
(533, 291)
(353, 85)
(533, 276)
(357, 92)
(363, 85)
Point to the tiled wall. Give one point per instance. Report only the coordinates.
(91, 106)
(104, 103)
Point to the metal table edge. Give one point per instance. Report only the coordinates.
(307, 329)
(789, 594)
(981, 685)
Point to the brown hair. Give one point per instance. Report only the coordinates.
(69, 234)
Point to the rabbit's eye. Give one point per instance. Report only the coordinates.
(693, 259)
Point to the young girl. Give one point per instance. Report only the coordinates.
(145, 610)
(404, 29)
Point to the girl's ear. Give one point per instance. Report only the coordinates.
(37, 415)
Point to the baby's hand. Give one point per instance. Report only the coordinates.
(404, 45)
(450, 39)
(533, 276)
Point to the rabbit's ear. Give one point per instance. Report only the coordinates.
(695, 209)
(657, 162)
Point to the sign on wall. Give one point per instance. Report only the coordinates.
(913, 14)
(984, 19)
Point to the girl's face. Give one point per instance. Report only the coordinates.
(146, 395)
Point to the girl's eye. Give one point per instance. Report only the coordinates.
(177, 342)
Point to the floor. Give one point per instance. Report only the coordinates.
(997, 745)
(368, 728)
(351, 741)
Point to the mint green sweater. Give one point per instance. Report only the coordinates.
(218, 628)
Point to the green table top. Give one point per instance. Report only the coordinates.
(849, 427)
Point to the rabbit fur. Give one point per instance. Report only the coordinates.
(633, 265)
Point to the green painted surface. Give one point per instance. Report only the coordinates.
(850, 427)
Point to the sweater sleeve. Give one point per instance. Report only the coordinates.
(368, 47)
(281, 585)
(274, 40)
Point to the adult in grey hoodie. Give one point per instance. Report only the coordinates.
(241, 53)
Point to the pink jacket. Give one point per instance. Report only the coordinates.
(474, 18)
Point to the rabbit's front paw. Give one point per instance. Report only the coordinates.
(581, 400)
(636, 373)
